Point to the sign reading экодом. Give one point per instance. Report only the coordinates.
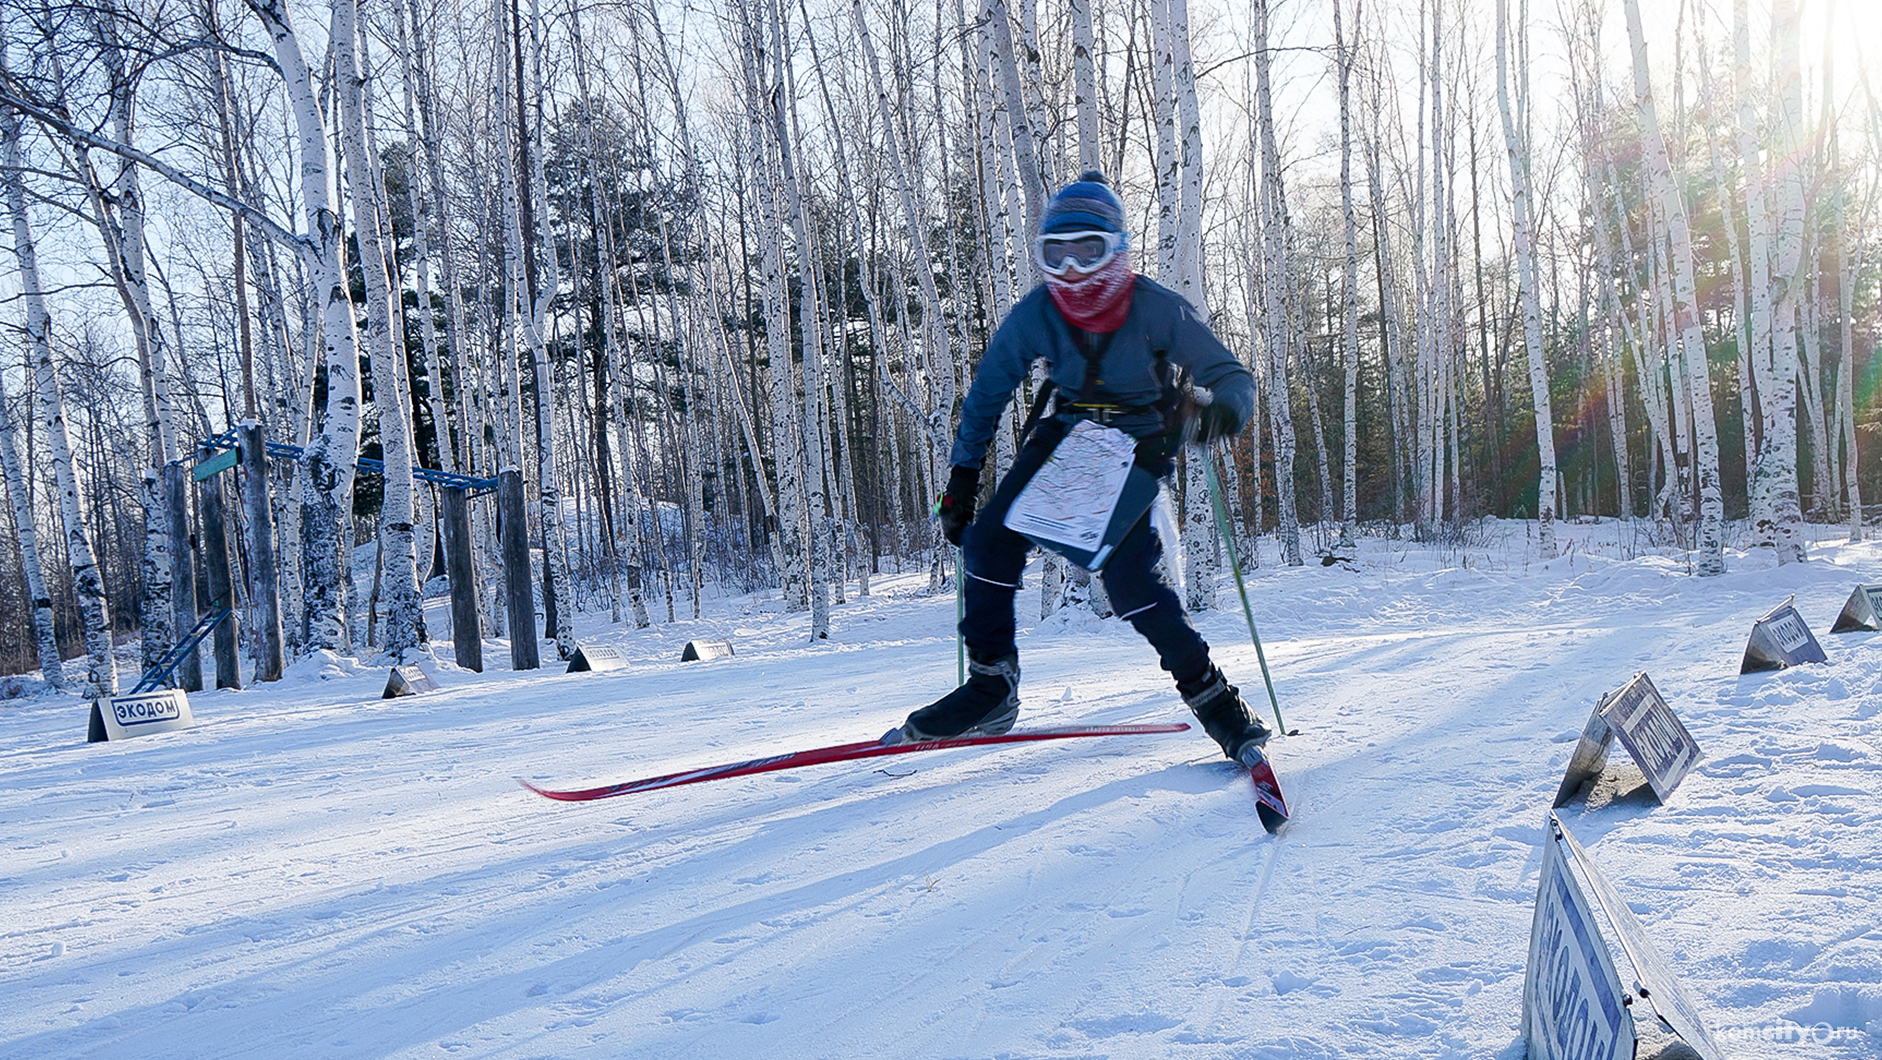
(1574, 1007)
(1647, 727)
(1781, 639)
(121, 717)
(1661, 746)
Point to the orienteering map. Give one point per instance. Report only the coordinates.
(1071, 497)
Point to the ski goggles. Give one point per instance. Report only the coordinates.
(1058, 253)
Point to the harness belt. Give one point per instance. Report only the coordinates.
(1103, 411)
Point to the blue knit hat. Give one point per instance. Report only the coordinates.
(1085, 205)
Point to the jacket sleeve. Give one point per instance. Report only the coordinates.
(1210, 364)
(1004, 364)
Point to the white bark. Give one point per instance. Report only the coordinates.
(1277, 333)
(1349, 293)
(816, 475)
(1085, 85)
(404, 626)
(87, 580)
(1025, 142)
(1665, 189)
(1516, 137)
(939, 351)
(330, 455)
(787, 436)
(51, 667)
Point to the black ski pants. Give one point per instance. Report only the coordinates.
(994, 556)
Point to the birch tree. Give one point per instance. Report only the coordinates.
(1345, 51)
(1275, 329)
(101, 675)
(1776, 506)
(332, 453)
(1516, 136)
(45, 635)
(1684, 304)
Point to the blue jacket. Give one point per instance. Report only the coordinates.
(1161, 324)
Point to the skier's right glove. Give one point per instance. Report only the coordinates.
(1214, 421)
(956, 508)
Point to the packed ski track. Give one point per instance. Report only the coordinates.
(315, 872)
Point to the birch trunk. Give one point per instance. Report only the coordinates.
(1349, 293)
(1685, 308)
(540, 257)
(1085, 85)
(1163, 113)
(1844, 432)
(816, 476)
(1025, 142)
(1516, 136)
(1779, 518)
(119, 216)
(419, 201)
(1274, 292)
(786, 428)
(45, 638)
(404, 627)
(939, 347)
(101, 678)
(327, 518)
(1180, 264)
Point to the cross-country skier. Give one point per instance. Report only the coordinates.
(1115, 341)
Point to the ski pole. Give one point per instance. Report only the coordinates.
(1241, 586)
(960, 615)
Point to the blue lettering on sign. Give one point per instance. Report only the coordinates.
(1655, 737)
(1789, 631)
(145, 711)
(1567, 986)
(1660, 741)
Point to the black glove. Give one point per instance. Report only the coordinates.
(1215, 421)
(956, 509)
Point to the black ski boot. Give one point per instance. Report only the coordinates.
(987, 704)
(1218, 705)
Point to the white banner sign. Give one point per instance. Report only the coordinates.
(122, 717)
(1781, 639)
(1658, 985)
(1574, 1007)
(1652, 733)
(596, 657)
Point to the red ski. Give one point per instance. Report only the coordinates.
(843, 753)
(1268, 800)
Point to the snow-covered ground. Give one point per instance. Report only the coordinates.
(315, 872)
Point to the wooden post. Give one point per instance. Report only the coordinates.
(467, 633)
(514, 531)
(189, 672)
(265, 595)
(221, 586)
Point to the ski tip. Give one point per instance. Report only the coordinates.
(547, 793)
(1271, 819)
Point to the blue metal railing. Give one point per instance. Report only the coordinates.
(155, 676)
(475, 486)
